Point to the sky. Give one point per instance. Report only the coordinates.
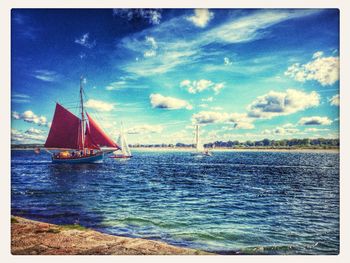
(241, 74)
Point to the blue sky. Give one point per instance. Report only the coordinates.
(242, 74)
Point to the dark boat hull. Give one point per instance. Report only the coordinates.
(96, 158)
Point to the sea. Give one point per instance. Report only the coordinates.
(234, 202)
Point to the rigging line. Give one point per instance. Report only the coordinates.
(97, 116)
(69, 101)
(94, 112)
(70, 108)
(70, 105)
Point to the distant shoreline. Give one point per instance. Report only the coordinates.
(29, 237)
(336, 150)
(218, 149)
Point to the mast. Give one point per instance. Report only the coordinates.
(197, 136)
(121, 138)
(82, 112)
(199, 145)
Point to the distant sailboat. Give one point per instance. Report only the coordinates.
(78, 140)
(200, 151)
(124, 147)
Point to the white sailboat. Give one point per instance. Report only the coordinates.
(200, 151)
(123, 144)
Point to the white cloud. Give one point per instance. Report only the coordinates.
(199, 86)
(125, 83)
(282, 103)
(227, 61)
(145, 129)
(34, 131)
(315, 120)
(99, 105)
(46, 75)
(317, 54)
(31, 117)
(205, 117)
(194, 87)
(16, 115)
(152, 47)
(239, 120)
(20, 98)
(153, 16)
(186, 46)
(325, 70)
(209, 99)
(281, 131)
(85, 41)
(315, 130)
(217, 87)
(244, 125)
(335, 100)
(251, 27)
(149, 53)
(170, 103)
(152, 42)
(116, 85)
(25, 137)
(155, 65)
(288, 125)
(201, 17)
(185, 83)
(216, 108)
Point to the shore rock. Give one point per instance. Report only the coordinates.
(30, 237)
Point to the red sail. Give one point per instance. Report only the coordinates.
(99, 136)
(65, 131)
(89, 142)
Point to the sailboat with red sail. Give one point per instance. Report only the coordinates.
(77, 139)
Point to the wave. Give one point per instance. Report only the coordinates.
(139, 221)
(245, 165)
(30, 162)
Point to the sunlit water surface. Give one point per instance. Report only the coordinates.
(230, 203)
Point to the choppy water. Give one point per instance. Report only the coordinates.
(232, 202)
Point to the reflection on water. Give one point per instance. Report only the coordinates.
(233, 202)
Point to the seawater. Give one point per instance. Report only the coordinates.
(230, 203)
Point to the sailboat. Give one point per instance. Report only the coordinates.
(125, 150)
(200, 151)
(77, 140)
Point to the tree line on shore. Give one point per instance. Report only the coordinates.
(320, 142)
(265, 143)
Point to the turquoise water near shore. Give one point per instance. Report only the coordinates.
(230, 203)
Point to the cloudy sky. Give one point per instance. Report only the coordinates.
(242, 74)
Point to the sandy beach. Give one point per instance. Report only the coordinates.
(30, 237)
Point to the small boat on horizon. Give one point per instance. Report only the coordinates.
(200, 150)
(77, 140)
(124, 147)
